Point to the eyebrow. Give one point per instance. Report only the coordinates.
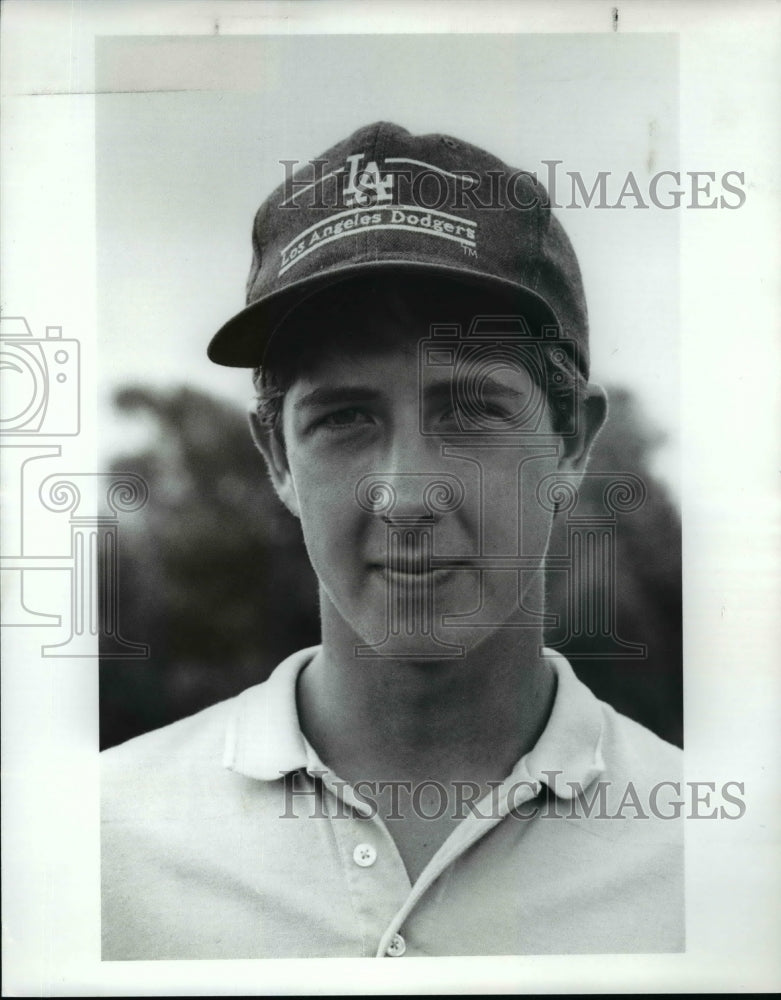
(340, 395)
(487, 386)
(326, 396)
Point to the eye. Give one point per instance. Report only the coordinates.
(458, 416)
(348, 417)
(495, 411)
(443, 417)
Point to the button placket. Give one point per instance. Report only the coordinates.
(375, 874)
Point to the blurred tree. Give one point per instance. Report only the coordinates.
(215, 577)
(648, 579)
(213, 573)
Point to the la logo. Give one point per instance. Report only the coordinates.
(364, 184)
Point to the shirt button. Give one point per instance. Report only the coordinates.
(364, 855)
(397, 946)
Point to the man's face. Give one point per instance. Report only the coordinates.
(415, 528)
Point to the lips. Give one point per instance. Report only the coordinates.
(412, 565)
(416, 567)
(410, 557)
(412, 571)
(405, 559)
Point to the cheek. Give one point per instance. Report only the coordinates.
(537, 519)
(325, 476)
(329, 515)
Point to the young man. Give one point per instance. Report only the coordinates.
(429, 780)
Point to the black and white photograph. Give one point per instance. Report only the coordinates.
(383, 549)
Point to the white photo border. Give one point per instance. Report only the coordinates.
(730, 415)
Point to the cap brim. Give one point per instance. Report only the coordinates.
(242, 341)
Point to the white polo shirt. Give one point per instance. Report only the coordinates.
(573, 853)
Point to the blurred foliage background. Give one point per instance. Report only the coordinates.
(214, 576)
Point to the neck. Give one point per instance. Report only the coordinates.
(385, 718)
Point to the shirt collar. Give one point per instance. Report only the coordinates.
(264, 738)
(569, 752)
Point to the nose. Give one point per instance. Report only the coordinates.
(410, 497)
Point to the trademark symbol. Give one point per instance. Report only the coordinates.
(469, 251)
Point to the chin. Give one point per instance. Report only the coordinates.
(442, 644)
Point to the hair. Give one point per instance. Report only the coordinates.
(330, 323)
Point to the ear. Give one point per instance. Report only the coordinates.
(272, 448)
(590, 419)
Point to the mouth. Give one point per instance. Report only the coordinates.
(408, 573)
(413, 569)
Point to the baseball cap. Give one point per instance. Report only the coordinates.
(384, 199)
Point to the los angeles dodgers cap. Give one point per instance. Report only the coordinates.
(430, 204)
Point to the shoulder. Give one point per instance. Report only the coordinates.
(160, 764)
(596, 739)
(640, 786)
(195, 732)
